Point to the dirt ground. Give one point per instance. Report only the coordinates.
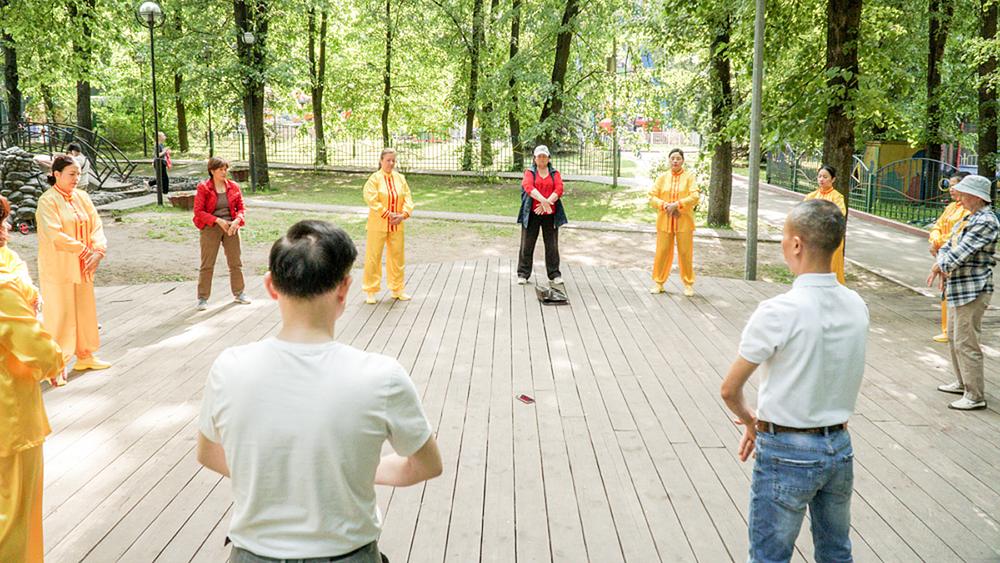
(151, 246)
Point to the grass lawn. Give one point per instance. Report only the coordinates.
(584, 201)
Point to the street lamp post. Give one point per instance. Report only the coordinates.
(150, 15)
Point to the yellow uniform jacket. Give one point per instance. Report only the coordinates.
(68, 228)
(950, 217)
(384, 194)
(675, 188)
(27, 356)
(830, 195)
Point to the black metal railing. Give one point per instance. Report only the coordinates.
(295, 144)
(907, 190)
(105, 157)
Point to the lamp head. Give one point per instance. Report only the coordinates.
(149, 14)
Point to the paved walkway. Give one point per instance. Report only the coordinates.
(898, 252)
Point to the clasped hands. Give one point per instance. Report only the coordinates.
(228, 227)
(91, 259)
(672, 208)
(545, 206)
(396, 218)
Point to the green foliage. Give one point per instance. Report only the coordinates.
(430, 70)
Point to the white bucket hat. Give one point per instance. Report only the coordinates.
(978, 186)
(542, 149)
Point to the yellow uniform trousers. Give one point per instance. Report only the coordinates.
(394, 261)
(21, 506)
(664, 258)
(69, 314)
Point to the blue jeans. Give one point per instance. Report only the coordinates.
(793, 471)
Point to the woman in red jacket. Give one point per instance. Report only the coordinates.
(218, 212)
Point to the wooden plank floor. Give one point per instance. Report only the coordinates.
(627, 455)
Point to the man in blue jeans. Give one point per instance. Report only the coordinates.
(811, 342)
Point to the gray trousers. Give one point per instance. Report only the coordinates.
(366, 554)
(964, 332)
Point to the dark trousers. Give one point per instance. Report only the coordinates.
(529, 236)
(166, 179)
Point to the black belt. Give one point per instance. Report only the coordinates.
(771, 428)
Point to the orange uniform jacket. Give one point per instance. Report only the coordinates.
(385, 194)
(671, 188)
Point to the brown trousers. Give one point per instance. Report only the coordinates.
(211, 238)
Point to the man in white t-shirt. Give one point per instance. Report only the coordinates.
(811, 342)
(298, 421)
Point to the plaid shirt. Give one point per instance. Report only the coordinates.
(967, 257)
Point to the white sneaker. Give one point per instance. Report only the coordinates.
(522, 281)
(202, 305)
(557, 281)
(242, 299)
(953, 387)
(967, 404)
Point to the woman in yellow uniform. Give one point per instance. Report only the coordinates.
(389, 204)
(940, 233)
(71, 245)
(674, 196)
(825, 178)
(27, 356)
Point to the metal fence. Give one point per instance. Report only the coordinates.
(289, 144)
(907, 190)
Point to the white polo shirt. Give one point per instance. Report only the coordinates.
(810, 343)
(303, 426)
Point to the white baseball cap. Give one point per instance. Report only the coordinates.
(542, 149)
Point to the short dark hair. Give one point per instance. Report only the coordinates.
(59, 163)
(313, 257)
(216, 163)
(819, 223)
(74, 147)
(678, 151)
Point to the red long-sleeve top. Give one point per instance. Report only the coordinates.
(545, 186)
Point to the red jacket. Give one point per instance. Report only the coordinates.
(205, 200)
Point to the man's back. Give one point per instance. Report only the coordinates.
(811, 341)
(302, 426)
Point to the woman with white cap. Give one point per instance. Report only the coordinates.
(965, 269)
(541, 209)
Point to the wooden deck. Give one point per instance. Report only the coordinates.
(628, 453)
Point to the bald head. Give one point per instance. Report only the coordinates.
(819, 224)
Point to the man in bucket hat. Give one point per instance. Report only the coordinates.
(965, 269)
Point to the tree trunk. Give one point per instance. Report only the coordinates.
(50, 103)
(486, 114)
(470, 102)
(553, 103)
(512, 119)
(986, 148)
(182, 130)
(720, 183)
(317, 75)
(387, 76)
(11, 80)
(843, 22)
(252, 16)
(939, 12)
(84, 112)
